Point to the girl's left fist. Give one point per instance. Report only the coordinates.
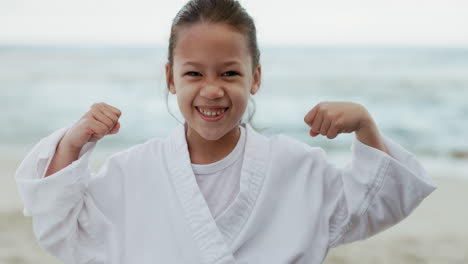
(333, 118)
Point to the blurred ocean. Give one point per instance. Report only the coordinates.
(418, 96)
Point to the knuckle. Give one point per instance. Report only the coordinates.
(101, 133)
(338, 122)
(323, 105)
(319, 106)
(112, 122)
(88, 130)
(100, 125)
(115, 112)
(323, 130)
(115, 116)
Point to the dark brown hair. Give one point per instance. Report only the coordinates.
(229, 12)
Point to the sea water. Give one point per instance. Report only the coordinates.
(417, 96)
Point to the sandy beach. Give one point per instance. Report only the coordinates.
(436, 232)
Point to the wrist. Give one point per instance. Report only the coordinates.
(64, 147)
(366, 123)
(368, 133)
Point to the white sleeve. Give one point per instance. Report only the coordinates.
(374, 192)
(66, 219)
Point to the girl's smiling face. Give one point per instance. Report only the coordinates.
(212, 76)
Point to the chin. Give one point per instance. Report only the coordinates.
(211, 134)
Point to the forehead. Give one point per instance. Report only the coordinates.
(207, 43)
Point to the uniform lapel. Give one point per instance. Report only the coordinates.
(215, 237)
(210, 241)
(254, 165)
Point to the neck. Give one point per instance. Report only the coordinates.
(203, 151)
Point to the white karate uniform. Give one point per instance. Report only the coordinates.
(144, 205)
(219, 181)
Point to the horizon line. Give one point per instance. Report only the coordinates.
(269, 45)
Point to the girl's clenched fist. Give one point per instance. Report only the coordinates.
(101, 120)
(332, 118)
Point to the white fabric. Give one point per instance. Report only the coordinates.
(144, 204)
(219, 181)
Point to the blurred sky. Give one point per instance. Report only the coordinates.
(303, 22)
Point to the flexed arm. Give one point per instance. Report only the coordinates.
(99, 121)
(382, 184)
(333, 118)
(71, 208)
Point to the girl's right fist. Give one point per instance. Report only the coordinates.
(101, 120)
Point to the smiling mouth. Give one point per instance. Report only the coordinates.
(211, 112)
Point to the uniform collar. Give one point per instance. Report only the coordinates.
(215, 237)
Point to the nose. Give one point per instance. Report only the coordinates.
(212, 91)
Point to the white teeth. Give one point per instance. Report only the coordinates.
(208, 113)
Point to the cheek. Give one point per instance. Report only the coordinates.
(241, 100)
(185, 97)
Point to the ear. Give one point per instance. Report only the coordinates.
(257, 76)
(170, 79)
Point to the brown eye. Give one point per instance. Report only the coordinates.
(193, 74)
(230, 73)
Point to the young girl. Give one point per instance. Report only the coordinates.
(215, 191)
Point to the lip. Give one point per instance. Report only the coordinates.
(212, 107)
(214, 118)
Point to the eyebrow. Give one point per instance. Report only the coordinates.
(227, 63)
